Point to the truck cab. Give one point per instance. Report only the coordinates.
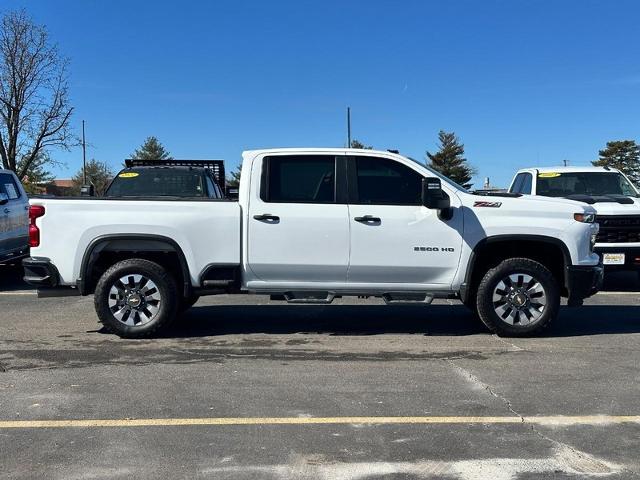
(609, 191)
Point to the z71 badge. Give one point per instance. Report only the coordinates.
(488, 204)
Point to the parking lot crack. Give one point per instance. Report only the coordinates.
(511, 345)
(577, 459)
(474, 380)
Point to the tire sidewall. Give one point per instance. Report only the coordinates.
(495, 275)
(164, 283)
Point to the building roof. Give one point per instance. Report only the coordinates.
(63, 182)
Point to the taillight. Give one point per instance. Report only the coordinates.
(35, 211)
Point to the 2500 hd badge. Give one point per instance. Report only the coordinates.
(434, 249)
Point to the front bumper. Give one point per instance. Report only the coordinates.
(40, 272)
(583, 281)
(630, 256)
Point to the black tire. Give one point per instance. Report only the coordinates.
(533, 318)
(187, 302)
(164, 310)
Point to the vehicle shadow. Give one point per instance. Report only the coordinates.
(621, 281)
(11, 278)
(326, 319)
(432, 320)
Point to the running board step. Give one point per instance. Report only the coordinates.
(402, 298)
(322, 298)
(217, 283)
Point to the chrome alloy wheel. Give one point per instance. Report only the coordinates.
(134, 300)
(519, 299)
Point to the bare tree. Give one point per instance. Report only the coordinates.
(34, 100)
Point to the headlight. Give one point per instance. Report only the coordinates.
(584, 217)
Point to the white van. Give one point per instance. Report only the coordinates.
(14, 218)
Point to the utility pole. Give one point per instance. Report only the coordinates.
(348, 127)
(84, 157)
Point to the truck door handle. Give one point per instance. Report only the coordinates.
(6, 210)
(368, 219)
(267, 217)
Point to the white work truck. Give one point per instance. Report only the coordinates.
(613, 196)
(312, 225)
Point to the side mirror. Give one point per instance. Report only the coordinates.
(4, 198)
(433, 196)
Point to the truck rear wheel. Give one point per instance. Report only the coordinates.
(136, 298)
(519, 297)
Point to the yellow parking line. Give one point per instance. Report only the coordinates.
(170, 422)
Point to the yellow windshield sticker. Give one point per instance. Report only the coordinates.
(548, 174)
(128, 174)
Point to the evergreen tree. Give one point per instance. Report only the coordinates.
(151, 149)
(36, 174)
(623, 155)
(449, 159)
(99, 174)
(358, 144)
(233, 180)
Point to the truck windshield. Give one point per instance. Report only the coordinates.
(157, 182)
(556, 184)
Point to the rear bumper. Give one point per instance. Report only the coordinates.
(40, 272)
(13, 255)
(583, 281)
(630, 255)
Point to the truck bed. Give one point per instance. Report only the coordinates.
(207, 231)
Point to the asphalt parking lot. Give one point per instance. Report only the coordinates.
(246, 388)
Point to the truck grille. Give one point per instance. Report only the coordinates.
(618, 228)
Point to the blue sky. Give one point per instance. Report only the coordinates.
(521, 82)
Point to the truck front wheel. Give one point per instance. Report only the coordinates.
(519, 297)
(135, 298)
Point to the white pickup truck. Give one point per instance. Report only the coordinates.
(315, 224)
(613, 196)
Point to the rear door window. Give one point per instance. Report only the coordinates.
(299, 179)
